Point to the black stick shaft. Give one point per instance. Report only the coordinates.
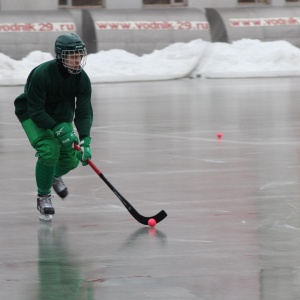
(143, 220)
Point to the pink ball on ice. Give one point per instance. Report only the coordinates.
(151, 222)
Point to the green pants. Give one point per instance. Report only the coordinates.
(53, 158)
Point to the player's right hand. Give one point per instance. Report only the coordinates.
(65, 135)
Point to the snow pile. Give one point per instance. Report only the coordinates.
(198, 58)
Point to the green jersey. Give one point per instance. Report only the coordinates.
(53, 96)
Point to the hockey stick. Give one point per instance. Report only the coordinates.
(142, 219)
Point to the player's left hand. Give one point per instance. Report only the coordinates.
(86, 152)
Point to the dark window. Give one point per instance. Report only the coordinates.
(152, 2)
(86, 2)
(165, 2)
(81, 2)
(253, 1)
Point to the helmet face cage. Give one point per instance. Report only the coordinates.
(74, 60)
(71, 52)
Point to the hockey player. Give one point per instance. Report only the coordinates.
(56, 94)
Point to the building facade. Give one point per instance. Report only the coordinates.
(142, 26)
(8, 5)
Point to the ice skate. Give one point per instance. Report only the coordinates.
(46, 218)
(44, 206)
(59, 187)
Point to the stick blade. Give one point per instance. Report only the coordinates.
(159, 217)
(144, 220)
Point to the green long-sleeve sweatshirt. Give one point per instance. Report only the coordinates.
(51, 96)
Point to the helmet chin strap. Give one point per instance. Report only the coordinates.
(73, 71)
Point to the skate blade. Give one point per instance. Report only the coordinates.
(45, 217)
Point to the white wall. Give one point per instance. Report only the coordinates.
(278, 2)
(201, 4)
(8, 5)
(28, 5)
(123, 4)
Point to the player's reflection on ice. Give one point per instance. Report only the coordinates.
(59, 274)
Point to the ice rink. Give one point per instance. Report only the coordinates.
(233, 225)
